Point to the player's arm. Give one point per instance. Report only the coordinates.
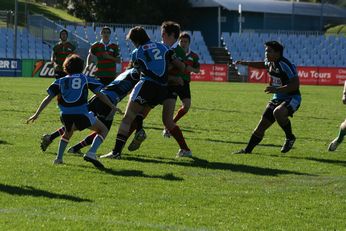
(108, 56)
(293, 85)
(42, 106)
(255, 64)
(89, 58)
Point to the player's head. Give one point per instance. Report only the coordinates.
(170, 32)
(73, 64)
(273, 50)
(106, 33)
(63, 34)
(184, 40)
(138, 36)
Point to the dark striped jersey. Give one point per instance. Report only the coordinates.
(72, 92)
(60, 52)
(106, 68)
(192, 60)
(280, 73)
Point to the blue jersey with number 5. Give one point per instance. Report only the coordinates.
(152, 60)
(72, 92)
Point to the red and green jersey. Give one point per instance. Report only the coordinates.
(192, 60)
(106, 68)
(60, 52)
(180, 54)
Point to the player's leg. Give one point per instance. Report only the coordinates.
(47, 139)
(101, 130)
(140, 135)
(185, 96)
(68, 122)
(281, 114)
(173, 128)
(133, 108)
(338, 140)
(266, 121)
(83, 143)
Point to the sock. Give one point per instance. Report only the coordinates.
(62, 146)
(119, 143)
(178, 136)
(137, 124)
(254, 140)
(57, 133)
(179, 114)
(96, 143)
(288, 130)
(341, 135)
(87, 141)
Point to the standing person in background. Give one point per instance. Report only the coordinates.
(342, 131)
(60, 51)
(170, 32)
(284, 85)
(107, 54)
(192, 60)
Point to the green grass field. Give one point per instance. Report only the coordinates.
(150, 189)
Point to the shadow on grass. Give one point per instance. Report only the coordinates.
(135, 173)
(325, 161)
(201, 163)
(239, 142)
(5, 142)
(31, 191)
(138, 173)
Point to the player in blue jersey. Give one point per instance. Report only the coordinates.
(152, 59)
(115, 91)
(284, 85)
(72, 93)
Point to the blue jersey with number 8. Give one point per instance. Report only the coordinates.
(72, 92)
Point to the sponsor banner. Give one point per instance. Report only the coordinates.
(46, 69)
(10, 67)
(307, 75)
(211, 72)
(208, 72)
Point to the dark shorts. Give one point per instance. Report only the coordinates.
(182, 91)
(292, 105)
(148, 93)
(81, 121)
(59, 74)
(101, 110)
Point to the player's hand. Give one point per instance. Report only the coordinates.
(270, 89)
(239, 62)
(32, 118)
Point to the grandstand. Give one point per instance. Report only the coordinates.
(35, 46)
(304, 49)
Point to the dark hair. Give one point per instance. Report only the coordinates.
(138, 35)
(73, 64)
(276, 46)
(186, 35)
(106, 28)
(170, 27)
(63, 30)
